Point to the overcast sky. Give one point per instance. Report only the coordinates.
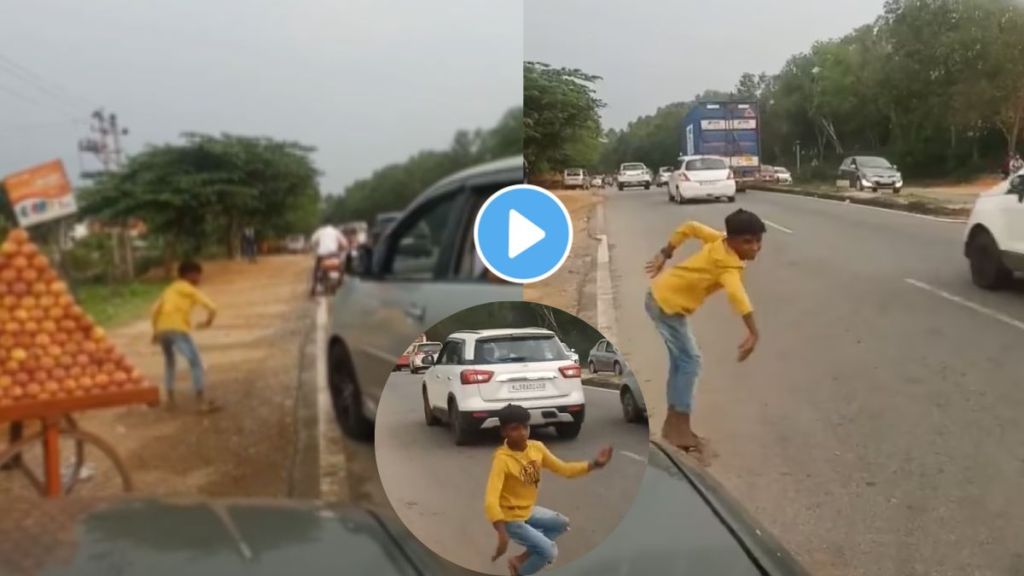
(655, 52)
(368, 82)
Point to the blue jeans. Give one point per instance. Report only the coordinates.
(683, 355)
(538, 534)
(182, 343)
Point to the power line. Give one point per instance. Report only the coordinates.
(52, 89)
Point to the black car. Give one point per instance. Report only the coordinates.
(872, 172)
(681, 522)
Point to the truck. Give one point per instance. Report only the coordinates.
(731, 130)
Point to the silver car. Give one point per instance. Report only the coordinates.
(634, 407)
(604, 357)
(423, 269)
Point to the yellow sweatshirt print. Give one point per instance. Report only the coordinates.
(515, 479)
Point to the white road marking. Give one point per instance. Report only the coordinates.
(777, 227)
(889, 210)
(976, 307)
(633, 456)
(601, 389)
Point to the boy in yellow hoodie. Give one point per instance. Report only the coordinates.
(172, 326)
(511, 496)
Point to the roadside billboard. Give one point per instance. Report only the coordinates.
(40, 194)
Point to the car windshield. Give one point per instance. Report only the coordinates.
(633, 167)
(872, 162)
(781, 171)
(429, 349)
(705, 164)
(505, 349)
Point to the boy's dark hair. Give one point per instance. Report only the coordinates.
(744, 223)
(189, 267)
(513, 414)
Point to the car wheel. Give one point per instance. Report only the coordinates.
(731, 198)
(592, 367)
(897, 190)
(345, 396)
(621, 187)
(457, 424)
(875, 190)
(987, 268)
(630, 408)
(647, 186)
(618, 368)
(428, 412)
(568, 431)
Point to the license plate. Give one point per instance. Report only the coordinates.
(528, 386)
(708, 183)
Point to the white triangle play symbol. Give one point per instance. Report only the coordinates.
(522, 234)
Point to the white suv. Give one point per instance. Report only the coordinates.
(479, 372)
(995, 234)
(633, 174)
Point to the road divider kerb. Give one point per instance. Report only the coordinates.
(917, 209)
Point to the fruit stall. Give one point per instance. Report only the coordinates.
(55, 362)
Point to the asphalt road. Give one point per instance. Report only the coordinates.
(877, 429)
(437, 488)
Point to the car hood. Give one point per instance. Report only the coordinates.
(224, 538)
(879, 172)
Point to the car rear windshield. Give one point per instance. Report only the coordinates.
(705, 164)
(633, 167)
(574, 172)
(509, 349)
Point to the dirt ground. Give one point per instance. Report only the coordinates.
(565, 288)
(252, 359)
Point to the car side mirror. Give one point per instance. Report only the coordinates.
(427, 360)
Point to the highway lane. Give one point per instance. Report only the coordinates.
(876, 430)
(437, 488)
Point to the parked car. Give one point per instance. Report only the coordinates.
(663, 175)
(596, 182)
(872, 172)
(702, 178)
(682, 521)
(782, 175)
(633, 174)
(604, 357)
(634, 407)
(403, 360)
(295, 243)
(572, 353)
(479, 372)
(419, 352)
(575, 178)
(397, 294)
(994, 243)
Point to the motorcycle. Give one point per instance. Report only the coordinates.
(330, 274)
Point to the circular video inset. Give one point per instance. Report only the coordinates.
(499, 447)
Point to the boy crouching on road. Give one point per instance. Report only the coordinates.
(680, 291)
(511, 496)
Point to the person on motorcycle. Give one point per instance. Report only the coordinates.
(1016, 165)
(328, 242)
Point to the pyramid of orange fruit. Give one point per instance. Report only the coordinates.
(49, 347)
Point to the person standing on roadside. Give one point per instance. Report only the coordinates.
(172, 327)
(249, 244)
(679, 292)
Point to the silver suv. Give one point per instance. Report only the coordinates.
(422, 270)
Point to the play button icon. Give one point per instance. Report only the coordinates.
(523, 234)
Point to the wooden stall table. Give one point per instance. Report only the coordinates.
(55, 418)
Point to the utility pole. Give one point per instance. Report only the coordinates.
(797, 157)
(105, 144)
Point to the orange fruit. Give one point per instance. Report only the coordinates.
(20, 314)
(66, 361)
(19, 354)
(8, 275)
(55, 313)
(102, 380)
(118, 377)
(86, 382)
(36, 314)
(82, 360)
(98, 333)
(48, 326)
(40, 262)
(43, 340)
(19, 288)
(59, 374)
(47, 363)
(5, 381)
(8, 249)
(89, 347)
(19, 263)
(28, 250)
(75, 372)
(33, 389)
(30, 275)
(16, 392)
(39, 289)
(17, 236)
(58, 288)
(28, 302)
(31, 327)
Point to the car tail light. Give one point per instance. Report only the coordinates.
(571, 371)
(470, 377)
(575, 408)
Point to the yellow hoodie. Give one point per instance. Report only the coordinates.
(515, 478)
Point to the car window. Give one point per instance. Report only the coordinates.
(451, 353)
(705, 164)
(601, 345)
(633, 167)
(418, 246)
(873, 162)
(432, 349)
(508, 349)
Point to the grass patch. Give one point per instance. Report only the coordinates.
(116, 304)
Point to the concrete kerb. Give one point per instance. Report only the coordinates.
(912, 207)
(606, 322)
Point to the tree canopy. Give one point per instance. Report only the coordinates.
(562, 122)
(394, 186)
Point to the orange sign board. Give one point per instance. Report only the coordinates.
(40, 193)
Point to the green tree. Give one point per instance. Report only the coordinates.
(561, 120)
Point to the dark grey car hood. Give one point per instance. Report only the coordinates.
(884, 172)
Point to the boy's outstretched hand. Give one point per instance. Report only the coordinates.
(746, 347)
(604, 456)
(653, 268)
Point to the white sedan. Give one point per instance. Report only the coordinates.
(702, 178)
